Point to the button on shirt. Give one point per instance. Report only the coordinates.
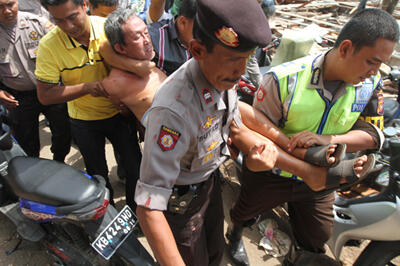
(186, 134)
(170, 52)
(18, 54)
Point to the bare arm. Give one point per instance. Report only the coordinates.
(159, 236)
(53, 93)
(140, 67)
(156, 9)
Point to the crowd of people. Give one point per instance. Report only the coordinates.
(164, 72)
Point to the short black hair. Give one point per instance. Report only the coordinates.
(367, 26)
(46, 3)
(201, 36)
(96, 3)
(187, 8)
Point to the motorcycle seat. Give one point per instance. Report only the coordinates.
(49, 182)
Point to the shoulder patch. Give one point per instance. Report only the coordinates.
(168, 138)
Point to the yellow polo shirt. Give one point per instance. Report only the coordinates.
(62, 59)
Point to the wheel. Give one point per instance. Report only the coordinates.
(379, 253)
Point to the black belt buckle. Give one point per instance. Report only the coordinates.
(181, 197)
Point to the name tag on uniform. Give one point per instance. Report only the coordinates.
(363, 94)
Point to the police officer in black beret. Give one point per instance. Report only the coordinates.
(187, 127)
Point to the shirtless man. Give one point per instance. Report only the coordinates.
(128, 36)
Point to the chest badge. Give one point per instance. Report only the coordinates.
(208, 157)
(212, 146)
(168, 138)
(209, 122)
(207, 96)
(33, 35)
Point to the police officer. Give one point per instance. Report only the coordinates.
(178, 195)
(20, 35)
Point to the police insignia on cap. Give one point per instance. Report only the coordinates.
(227, 36)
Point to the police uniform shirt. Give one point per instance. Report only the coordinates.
(33, 6)
(170, 52)
(18, 55)
(267, 99)
(186, 133)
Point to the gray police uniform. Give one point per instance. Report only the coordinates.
(17, 67)
(33, 6)
(186, 134)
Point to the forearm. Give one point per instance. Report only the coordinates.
(53, 94)
(355, 140)
(258, 122)
(159, 236)
(156, 9)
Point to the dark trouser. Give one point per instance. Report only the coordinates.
(199, 231)
(311, 216)
(90, 139)
(25, 124)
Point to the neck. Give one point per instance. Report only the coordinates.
(331, 66)
(85, 38)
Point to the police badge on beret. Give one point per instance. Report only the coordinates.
(227, 36)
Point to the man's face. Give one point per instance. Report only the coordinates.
(137, 40)
(71, 18)
(224, 67)
(102, 10)
(366, 62)
(8, 11)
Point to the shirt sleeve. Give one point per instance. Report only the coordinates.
(166, 142)
(267, 99)
(46, 68)
(374, 110)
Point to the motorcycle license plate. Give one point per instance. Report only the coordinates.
(115, 233)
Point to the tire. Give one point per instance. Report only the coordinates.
(379, 253)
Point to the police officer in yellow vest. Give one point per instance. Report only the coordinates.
(317, 100)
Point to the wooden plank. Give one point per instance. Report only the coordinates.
(335, 26)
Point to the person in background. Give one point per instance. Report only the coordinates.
(102, 8)
(33, 6)
(20, 35)
(171, 38)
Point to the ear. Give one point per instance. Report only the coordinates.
(346, 48)
(119, 48)
(197, 49)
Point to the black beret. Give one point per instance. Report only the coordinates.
(240, 25)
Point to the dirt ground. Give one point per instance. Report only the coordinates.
(33, 254)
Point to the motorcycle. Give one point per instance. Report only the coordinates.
(375, 217)
(65, 210)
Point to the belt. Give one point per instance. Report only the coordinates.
(183, 189)
(20, 93)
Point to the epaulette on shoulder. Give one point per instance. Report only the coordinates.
(292, 67)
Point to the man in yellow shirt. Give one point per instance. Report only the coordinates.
(68, 69)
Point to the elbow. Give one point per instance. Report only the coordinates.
(42, 99)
